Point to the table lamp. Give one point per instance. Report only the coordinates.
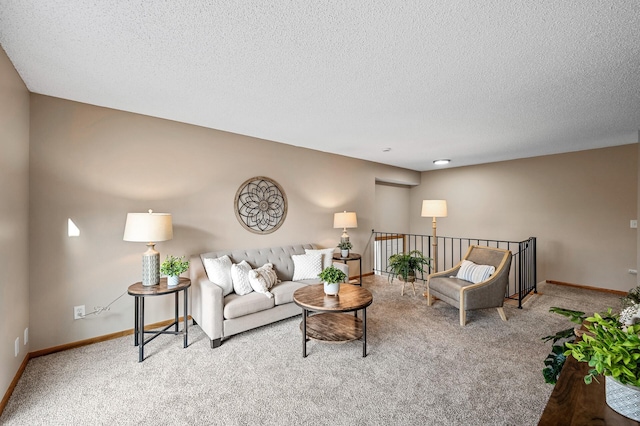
(345, 220)
(150, 228)
(434, 208)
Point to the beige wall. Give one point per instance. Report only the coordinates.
(392, 212)
(578, 205)
(14, 187)
(94, 165)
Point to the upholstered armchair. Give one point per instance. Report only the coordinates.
(468, 295)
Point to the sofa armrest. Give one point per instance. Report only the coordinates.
(207, 301)
(344, 268)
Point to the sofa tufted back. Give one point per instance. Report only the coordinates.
(280, 257)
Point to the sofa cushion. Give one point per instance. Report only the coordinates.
(240, 276)
(474, 273)
(306, 266)
(327, 256)
(262, 279)
(236, 306)
(219, 272)
(283, 292)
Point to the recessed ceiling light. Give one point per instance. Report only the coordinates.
(386, 149)
(441, 162)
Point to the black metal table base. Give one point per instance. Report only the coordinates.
(139, 330)
(305, 338)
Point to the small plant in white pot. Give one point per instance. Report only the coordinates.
(172, 267)
(332, 277)
(612, 349)
(344, 247)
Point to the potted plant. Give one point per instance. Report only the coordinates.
(555, 360)
(405, 265)
(344, 247)
(172, 267)
(612, 349)
(332, 277)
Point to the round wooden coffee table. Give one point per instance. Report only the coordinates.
(331, 323)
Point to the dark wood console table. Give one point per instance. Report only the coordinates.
(573, 402)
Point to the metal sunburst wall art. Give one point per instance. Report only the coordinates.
(260, 205)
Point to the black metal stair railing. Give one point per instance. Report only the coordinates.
(522, 277)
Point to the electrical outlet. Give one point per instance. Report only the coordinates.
(17, 346)
(78, 312)
(26, 335)
(634, 224)
(633, 271)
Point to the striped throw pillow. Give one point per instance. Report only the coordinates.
(469, 271)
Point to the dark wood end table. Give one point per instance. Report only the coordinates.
(352, 256)
(331, 323)
(140, 291)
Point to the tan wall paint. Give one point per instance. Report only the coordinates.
(14, 191)
(95, 165)
(392, 208)
(578, 205)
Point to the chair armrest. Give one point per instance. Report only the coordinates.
(449, 272)
(207, 301)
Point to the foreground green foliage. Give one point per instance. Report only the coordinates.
(555, 360)
(610, 349)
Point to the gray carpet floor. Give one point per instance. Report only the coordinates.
(422, 368)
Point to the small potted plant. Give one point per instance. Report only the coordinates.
(172, 267)
(332, 277)
(405, 265)
(612, 349)
(344, 247)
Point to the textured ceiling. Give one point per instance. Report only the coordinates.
(472, 81)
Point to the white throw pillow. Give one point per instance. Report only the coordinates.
(240, 276)
(306, 266)
(262, 279)
(469, 271)
(219, 272)
(327, 256)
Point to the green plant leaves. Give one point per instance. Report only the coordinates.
(554, 362)
(173, 266)
(574, 316)
(332, 275)
(613, 350)
(405, 264)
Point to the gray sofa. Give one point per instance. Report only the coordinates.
(223, 316)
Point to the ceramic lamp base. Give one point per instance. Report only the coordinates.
(150, 266)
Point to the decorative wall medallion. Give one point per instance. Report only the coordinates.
(260, 205)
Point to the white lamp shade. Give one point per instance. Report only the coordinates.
(434, 208)
(345, 220)
(148, 227)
